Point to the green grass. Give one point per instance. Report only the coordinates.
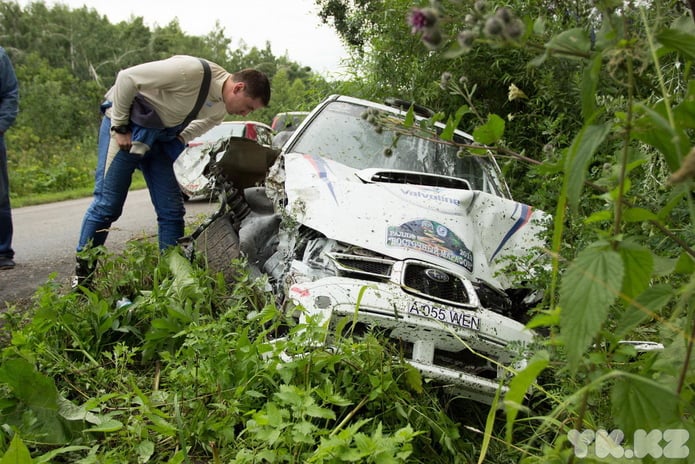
(52, 197)
(188, 373)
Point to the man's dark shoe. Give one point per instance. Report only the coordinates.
(84, 271)
(6, 263)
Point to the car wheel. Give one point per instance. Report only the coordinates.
(219, 246)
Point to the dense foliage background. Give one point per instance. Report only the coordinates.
(591, 109)
(65, 61)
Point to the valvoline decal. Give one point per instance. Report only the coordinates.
(434, 194)
(432, 238)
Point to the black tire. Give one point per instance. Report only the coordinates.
(219, 245)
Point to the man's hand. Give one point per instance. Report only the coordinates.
(124, 141)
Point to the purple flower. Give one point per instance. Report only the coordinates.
(421, 19)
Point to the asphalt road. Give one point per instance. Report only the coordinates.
(45, 237)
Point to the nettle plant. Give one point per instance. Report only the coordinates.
(193, 370)
(622, 233)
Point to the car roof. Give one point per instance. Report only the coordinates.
(256, 123)
(292, 113)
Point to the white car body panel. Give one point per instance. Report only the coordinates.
(464, 230)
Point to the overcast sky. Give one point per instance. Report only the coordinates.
(291, 26)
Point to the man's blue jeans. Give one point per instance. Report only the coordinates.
(112, 181)
(6, 250)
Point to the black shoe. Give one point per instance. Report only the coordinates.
(84, 271)
(6, 263)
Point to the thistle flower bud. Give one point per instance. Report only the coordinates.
(465, 39)
(515, 29)
(421, 19)
(493, 26)
(432, 38)
(505, 14)
(444, 80)
(480, 6)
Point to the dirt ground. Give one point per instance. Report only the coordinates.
(18, 285)
(45, 237)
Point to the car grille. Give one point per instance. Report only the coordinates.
(371, 268)
(417, 278)
(436, 283)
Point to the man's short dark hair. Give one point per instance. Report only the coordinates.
(257, 84)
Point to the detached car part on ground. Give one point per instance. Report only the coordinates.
(367, 219)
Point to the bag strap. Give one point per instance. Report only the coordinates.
(204, 89)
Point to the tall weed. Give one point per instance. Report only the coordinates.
(193, 370)
(622, 231)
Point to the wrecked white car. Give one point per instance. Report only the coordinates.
(367, 216)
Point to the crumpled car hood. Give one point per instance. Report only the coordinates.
(467, 231)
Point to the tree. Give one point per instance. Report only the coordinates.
(67, 59)
(48, 97)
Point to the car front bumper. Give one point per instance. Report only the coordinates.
(468, 349)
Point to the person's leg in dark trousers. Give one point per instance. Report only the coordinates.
(6, 251)
(165, 193)
(113, 176)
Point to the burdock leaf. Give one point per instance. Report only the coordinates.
(585, 144)
(519, 385)
(592, 283)
(645, 306)
(572, 42)
(639, 264)
(641, 403)
(491, 132)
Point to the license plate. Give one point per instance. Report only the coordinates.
(446, 315)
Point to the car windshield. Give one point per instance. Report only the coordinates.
(221, 131)
(340, 132)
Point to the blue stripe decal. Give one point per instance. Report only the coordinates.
(321, 168)
(521, 222)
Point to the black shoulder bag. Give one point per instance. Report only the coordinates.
(204, 89)
(144, 115)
